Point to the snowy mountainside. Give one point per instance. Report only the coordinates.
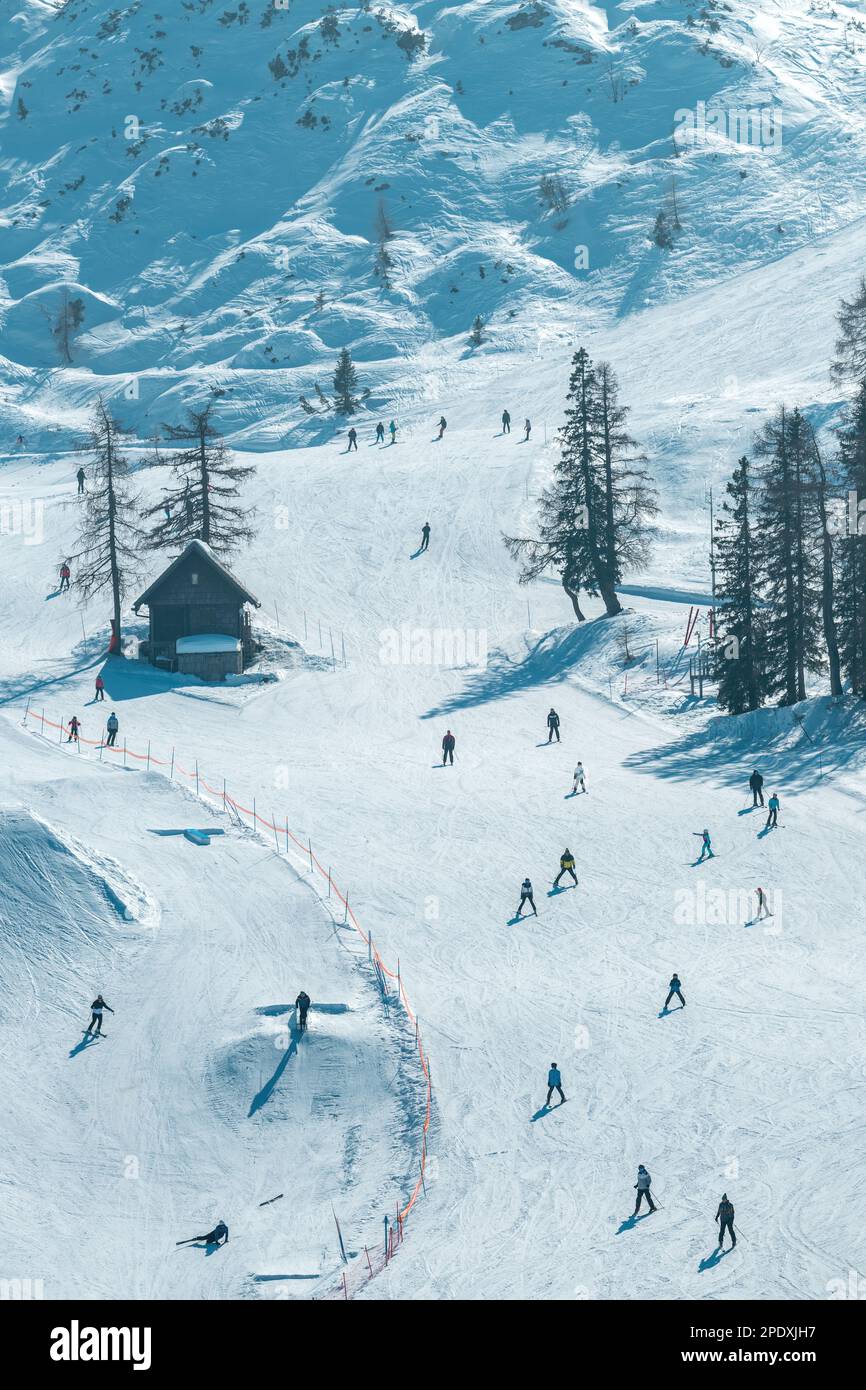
(206, 181)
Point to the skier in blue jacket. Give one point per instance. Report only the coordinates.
(554, 1083)
(773, 808)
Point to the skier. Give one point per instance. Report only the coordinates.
(763, 910)
(579, 778)
(112, 726)
(725, 1218)
(302, 1004)
(448, 748)
(353, 440)
(443, 425)
(80, 475)
(19, 442)
(756, 782)
(643, 1189)
(527, 425)
(706, 847)
(100, 688)
(393, 428)
(526, 897)
(506, 422)
(552, 725)
(74, 726)
(219, 1235)
(65, 576)
(566, 866)
(773, 805)
(675, 988)
(380, 433)
(425, 535)
(554, 1083)
(96, 1008)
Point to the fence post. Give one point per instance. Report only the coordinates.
(171, 774)
(331, 637)
(255, 819)
(423, 1183)
(305, 624)
(370, 945)
(148, 755)
(60, 740)
(346, 910)
(196, 776)
(224, 794)
(345, 1290)
(369, 1262)
(42, 729)
(287, 832)
(320, 634)
(386, 1237)
(310, 852)
(329, 880)
(27, 711)
(276, 841)
(343, 641)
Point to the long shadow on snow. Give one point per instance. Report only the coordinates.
(267, 1090)
(550, 659)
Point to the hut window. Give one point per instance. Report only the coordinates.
(194, 577)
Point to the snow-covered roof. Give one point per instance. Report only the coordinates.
(207, 642)
(197, 547)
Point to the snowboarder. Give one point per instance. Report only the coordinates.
(425, 535)
(65, 575)
(380, 433)
(526, 897)
(527, 425)
(112, 726)
(643, 1189)
(706, 846)
(579, 778)
(353, 440)
(448, 748)
(219, 1235)
(96, 1008)
(773, 805)
(302, 1004)
(74, 726)
(443, 425)
(554, 1083)
(763, 910)
(552, 726)
(675, 988)
(81, 475)
(393, 428)
(756, 782)
(506, 422)
(725, 1218)
(566, 866)
(100, 688)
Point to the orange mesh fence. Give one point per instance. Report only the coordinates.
(358, 1271)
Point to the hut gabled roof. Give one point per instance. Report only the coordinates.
(207, 556)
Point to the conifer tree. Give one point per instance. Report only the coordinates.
(201, 504)
(345, 384)
(850, 362)
(739, 647)
(851, 594)
(110, 537)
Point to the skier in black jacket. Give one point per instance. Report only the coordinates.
(552, 726)
(725, 1218)
(756, 782)
(675, 988)
(95, 1024)
(219, 1235)
(448, 748)
(302, 1004)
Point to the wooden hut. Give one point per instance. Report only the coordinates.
(199, 622)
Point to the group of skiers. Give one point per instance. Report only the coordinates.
(380, 435)
(506, 425)
(112, 724)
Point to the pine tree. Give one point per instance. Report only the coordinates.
(789, 540)
(345, 384)
(828, 566)
(110, 537)
(476, 336)
(201, 505)
(629, 496)
(850, 361)
(739, 647)
(851, 596)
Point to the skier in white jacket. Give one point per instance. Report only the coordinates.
(579, 778)
(643, 1190)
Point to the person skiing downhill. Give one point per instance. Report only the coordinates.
(526, 897)
(302, 1004)
(642, 1187)
(579, 778)
(506, 422)
(81, 475)
(100, 688)
(393, 428)
(425, 535)
(566, 866)
(706, 846)
(552, 726)
(448, 748)
(554, 1083)
(756, 782)
(527, 425)
(353, 440)
(763, 910)
(675, 988)
(725, 1218)
(112, 726)
(218, 1236)
(380, 433)
(74, 726)
(443, 425)
(96, 1008)
(773, 805)
(65, 576)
